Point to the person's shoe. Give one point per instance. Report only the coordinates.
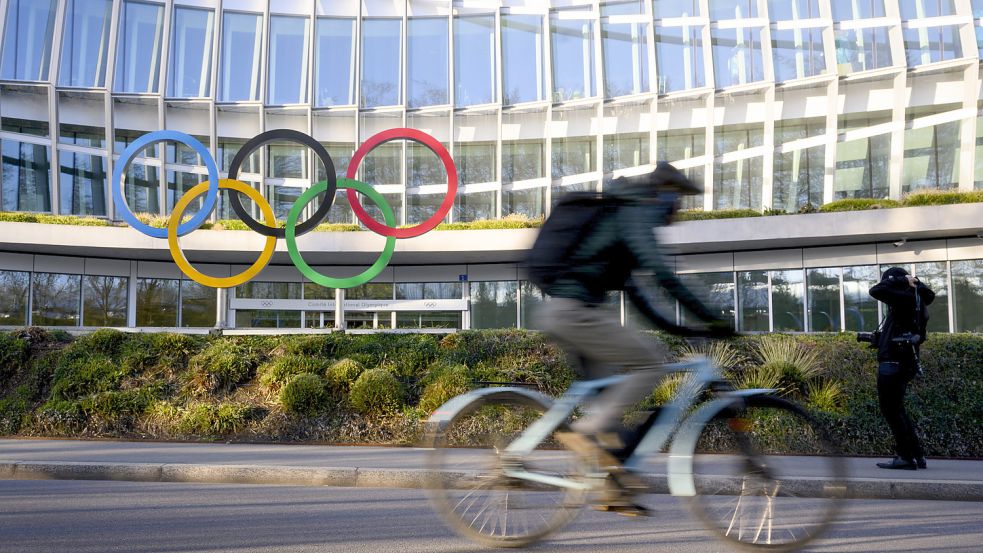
(920, 462)
(899, 464)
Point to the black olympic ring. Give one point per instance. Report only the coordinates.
(327, 197)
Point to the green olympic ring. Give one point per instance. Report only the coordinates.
(324, 280)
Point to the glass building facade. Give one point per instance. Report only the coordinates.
(772, 105)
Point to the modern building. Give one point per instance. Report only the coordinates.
(774, 105)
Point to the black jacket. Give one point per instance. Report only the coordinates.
(619, 244)
(899, 296)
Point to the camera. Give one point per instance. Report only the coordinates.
(871, 338)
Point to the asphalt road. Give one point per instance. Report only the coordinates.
(100, 517)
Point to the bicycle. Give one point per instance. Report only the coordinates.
(531, 486)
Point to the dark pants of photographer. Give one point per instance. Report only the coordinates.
(892, 383)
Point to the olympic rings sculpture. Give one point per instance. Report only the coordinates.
(324, 190)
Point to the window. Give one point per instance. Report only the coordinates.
(625, 150)
(82, 183)
(190, 66)
(239, 72)
(737, 184)
(140, 188)
(475, 161)
(85, 43)
(967, 295)
(334, 84)
(474, 206)
(25, 177)
(532, 298)
(423, 167)
(680, 144)
(269, 290)
(81, 135)
(675, 8)
(14, 286)
(931, 157)
(474, 60)
(523, 160)
(178, 184)
(573, 59)
(934, 275)
(381, 39)
(428, 291)
(932, 44)
(625, 47)
(862, 50)
(138, 48)
(367, 291)
(733, 9)
(104, 300)
(859, 308)
(789, 10)
(530, 202)
(679, 58)
(157, 302)
(426, 63)
(862, 164)
(256, 318)
(824, 299)
(27, 40)
(287, 63)
(522, 59)
(716, 290)
(428, 319)
(798, 53)
(798, 175)
(198, 305)
(55, 299)
(494, 305)
(786, 300)
(736, 56)
(752, 299)
(574, 156)
(846, 10)
(920, 9)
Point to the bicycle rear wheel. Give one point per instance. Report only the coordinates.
(470, 488)
(751, 492)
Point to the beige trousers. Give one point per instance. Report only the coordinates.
(599, 346)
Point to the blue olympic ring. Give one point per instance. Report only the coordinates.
(159, 136)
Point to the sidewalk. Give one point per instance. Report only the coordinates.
(395, 467)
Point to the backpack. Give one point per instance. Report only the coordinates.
(570, 220)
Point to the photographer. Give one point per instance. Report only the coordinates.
(897, 343)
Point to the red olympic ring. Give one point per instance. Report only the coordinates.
(416, 136)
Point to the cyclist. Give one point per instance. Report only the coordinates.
(602, 258)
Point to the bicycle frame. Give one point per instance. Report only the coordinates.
(672, 419)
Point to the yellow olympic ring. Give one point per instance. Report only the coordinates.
(178, 255)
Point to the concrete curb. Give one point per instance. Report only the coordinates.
(857, 488)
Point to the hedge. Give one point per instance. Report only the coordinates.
(380, 388)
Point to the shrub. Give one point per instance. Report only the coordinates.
(768, 376)
(13, 354)
(221, 366)
(942, 197)
(105, 341)
(787, 357)
(376, 391)
(825, 395)
(698, 215)
(81, 373)
(666, 390)
(858, 204)
(304, 394)
(276, 372)
(442, 384)
(206, 419)
(342, 374)
(722, 354)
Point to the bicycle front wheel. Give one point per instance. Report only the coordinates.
(751, 491)
(472, 489)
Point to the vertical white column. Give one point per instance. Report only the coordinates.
(339, 309)
(967, 128)
(108, 118)
(896, 40)
(832, 104)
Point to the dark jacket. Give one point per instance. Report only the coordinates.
(621, 242)
(899, 296)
